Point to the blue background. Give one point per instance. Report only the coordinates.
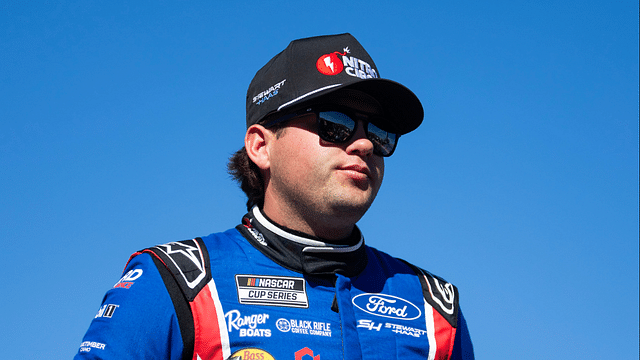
(521, 186)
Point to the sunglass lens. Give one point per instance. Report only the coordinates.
(335, 126)
(383, 142)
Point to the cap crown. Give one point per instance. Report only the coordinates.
(312, 67)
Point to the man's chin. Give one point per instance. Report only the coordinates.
(352, 207)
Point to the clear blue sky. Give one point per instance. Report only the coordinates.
(521, 186)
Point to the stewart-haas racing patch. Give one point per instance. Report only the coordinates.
(272, 290)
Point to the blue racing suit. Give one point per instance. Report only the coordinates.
(260, 291)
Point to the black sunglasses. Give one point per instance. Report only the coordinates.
(338, 126)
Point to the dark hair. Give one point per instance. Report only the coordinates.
(247, 174)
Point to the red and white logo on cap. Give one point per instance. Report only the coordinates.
(330, 64)
(335, 62)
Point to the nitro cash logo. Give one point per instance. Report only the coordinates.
(388, 306)
(272, 291)
(330, 64)
(247, 325)
(251, 354)
(335, 62)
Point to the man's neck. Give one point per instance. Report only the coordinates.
(302, 253)
(335, 230)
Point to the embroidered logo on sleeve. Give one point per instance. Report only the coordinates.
(128, 279)
(106, 311)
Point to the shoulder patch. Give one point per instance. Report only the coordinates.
(185, 270)
(443, 296)
(188, 262)
(440, 294)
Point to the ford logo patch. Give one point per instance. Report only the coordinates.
(388, 306)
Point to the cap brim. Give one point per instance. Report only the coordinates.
(401, 106)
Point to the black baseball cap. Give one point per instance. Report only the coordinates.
(311, 68)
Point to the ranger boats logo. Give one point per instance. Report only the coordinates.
(388, 306)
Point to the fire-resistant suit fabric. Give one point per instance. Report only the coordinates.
(261, 292)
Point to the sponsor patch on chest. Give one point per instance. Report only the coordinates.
(272, 291)
(387, 306)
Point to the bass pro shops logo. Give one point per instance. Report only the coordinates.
(335, 62)
(251, 354)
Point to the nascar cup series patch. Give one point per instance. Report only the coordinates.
(272, 291)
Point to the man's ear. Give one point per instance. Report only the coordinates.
(255, 142)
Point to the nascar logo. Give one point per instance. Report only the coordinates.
(272, 291)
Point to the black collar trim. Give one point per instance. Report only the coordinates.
(301, 253)
(308, 243)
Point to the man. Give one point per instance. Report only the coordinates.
(295, 280)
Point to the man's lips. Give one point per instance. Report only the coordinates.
(357, 169)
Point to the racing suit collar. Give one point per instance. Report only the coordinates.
(300, 252)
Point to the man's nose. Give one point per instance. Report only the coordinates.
(359, 143)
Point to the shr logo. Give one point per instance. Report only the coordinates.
(306, 351)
